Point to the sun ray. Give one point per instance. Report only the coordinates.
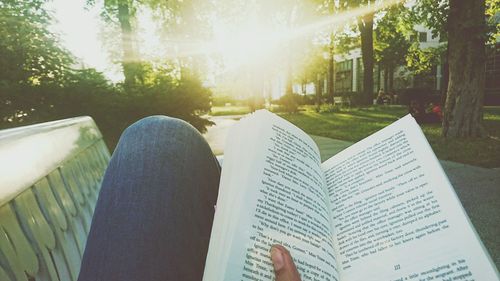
(339, 20)
(253, 41)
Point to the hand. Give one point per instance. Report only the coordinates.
(284, 268)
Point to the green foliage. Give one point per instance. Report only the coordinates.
(493, 20)
(433, 14)
(290, 102)
(29, 52)
(420, 60)
(37, 82)
(222, 100)
(314, 64)
(229, 110)
(87, 92)
(390, 43)
(255, 103)
(190, 18)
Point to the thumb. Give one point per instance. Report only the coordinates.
(284, 268)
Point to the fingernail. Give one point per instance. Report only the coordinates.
(277, 258)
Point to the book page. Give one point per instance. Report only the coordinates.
(218, 229)
(278, 198)
(395, 214)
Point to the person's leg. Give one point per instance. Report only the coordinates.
(156, 205)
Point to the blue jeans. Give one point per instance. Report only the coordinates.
(155, 209)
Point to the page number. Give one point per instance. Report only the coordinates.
(397, 267)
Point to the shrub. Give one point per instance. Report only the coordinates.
(290, 102)
(255, 103)
(87, 92)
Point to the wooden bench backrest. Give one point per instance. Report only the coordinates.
(50, 177)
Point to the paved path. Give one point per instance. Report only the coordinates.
(477, 188)
(216, 135)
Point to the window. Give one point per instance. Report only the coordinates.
(360, 75)
(343, 77)
(422, 36)
(493, 70)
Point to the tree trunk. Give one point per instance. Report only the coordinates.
(129, 59)
(463, 114)
(319, 91)
(386, 79)
(365, 25)
(289, 78)
(446, 75)
(289, 73)
(289, 82)
(331, 72)
(333, 77)
(390, 85)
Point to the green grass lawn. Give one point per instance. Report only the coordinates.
(229, 110)
(355, 124)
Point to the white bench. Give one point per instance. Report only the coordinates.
(341, 101)
(50, 176)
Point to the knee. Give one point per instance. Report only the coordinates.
(160, 131)
(159, 123)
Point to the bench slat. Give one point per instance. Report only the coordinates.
(65, 238)
(19, 252)
(46, 204)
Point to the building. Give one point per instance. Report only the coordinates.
(349, 71)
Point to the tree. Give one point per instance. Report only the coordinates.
(330, 86)
(29, 53)
(30, 57)
(467, 34)
(314, 68)
(337, 40)
(391, 46)
(331, 8)
(318, 69)
(38, 82)
(463, 25)
(365, 27)
(130, 59)
(122, 13)
(423, 60)
(434, 15)
(293, 14)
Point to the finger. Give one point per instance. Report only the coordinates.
(284, 267)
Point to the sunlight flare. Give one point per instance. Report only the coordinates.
(253, 42)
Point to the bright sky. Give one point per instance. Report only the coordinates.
(79, 29)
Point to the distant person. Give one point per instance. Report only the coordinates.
(416, 110)
(391, 97)
(395, 98)
(380, 96)
(433, 113)
(436, 109)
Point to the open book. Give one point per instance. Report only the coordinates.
(382, 209)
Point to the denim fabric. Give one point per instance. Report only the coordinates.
(155, 209)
